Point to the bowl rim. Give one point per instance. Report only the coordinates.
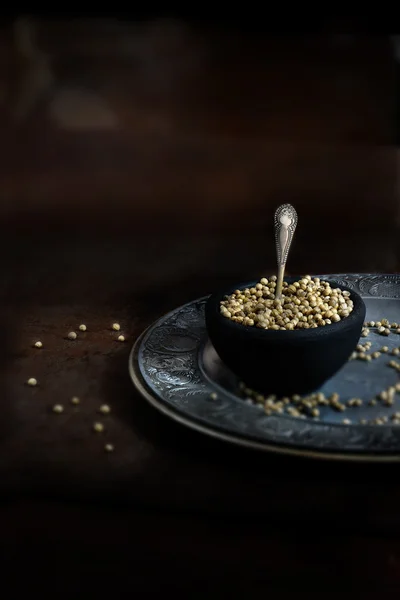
(212, 306)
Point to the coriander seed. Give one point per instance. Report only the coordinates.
(72, 335)
(32, 381)
(82, 327)
(38, 344)
(58, 409)
(98, 427)
(105, 409)
(109, 447)
(121, 338)
(75, 400)
(116, 326)
(213, 396)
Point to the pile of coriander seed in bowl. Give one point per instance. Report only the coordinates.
(287, 346)
(306, 303)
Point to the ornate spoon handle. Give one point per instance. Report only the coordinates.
(285, 222)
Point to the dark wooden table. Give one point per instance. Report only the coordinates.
(123, 217)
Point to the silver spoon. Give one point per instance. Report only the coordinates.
(285, 222)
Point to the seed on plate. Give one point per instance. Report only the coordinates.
(109, 447)
(383, 395)
(395, 352)
(98, 427)
(397, 387)
(394, 325)
(376, 354)
(385, 322)
(58, 409)
(32, 381)
(315, 412)
(371, 324)
(38, 344)
(384, 349)
(353, 356)
(398, 330)
(82, 327)
(75, 400)
(346, 422)
(116, 326)
(105, 409)
(121, 338)
(363, 421)
(372, 402)
(213, 396)
(72, 335)
(378, 324)
(365, 332)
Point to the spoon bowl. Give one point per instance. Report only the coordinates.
(284, 362)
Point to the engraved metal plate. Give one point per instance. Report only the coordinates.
(176, 369)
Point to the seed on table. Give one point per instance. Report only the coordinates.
(38, 344)
(213, 396)
(58, 408)
(72, 335)
(82, 327)
(121, 338)
(109, 447)
(98, 427)
(32, 381)
(75, 400)
(116, 326)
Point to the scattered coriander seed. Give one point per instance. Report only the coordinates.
(398, 330)
(38, 344)
(72, 335)
(378, 324)
(75, 400)
(105, 409)
(394, 325)
(372, 402)
(58, 409)
(32, 381)
(387, 331)
(384, 349)
(395, 352)
(381, 330)
(385, 322)
(213, 396)
(363, 421)
(396, 415)
(109, 447)
(121, 338)
(82, 327)
(376, 354)
(397, 387)
(315, 412)
(116, 326)
(371, 324)
(346, 422)
(98, 427)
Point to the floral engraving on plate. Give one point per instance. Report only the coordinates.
(168, 360)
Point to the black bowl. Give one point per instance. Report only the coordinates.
(284, 362)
